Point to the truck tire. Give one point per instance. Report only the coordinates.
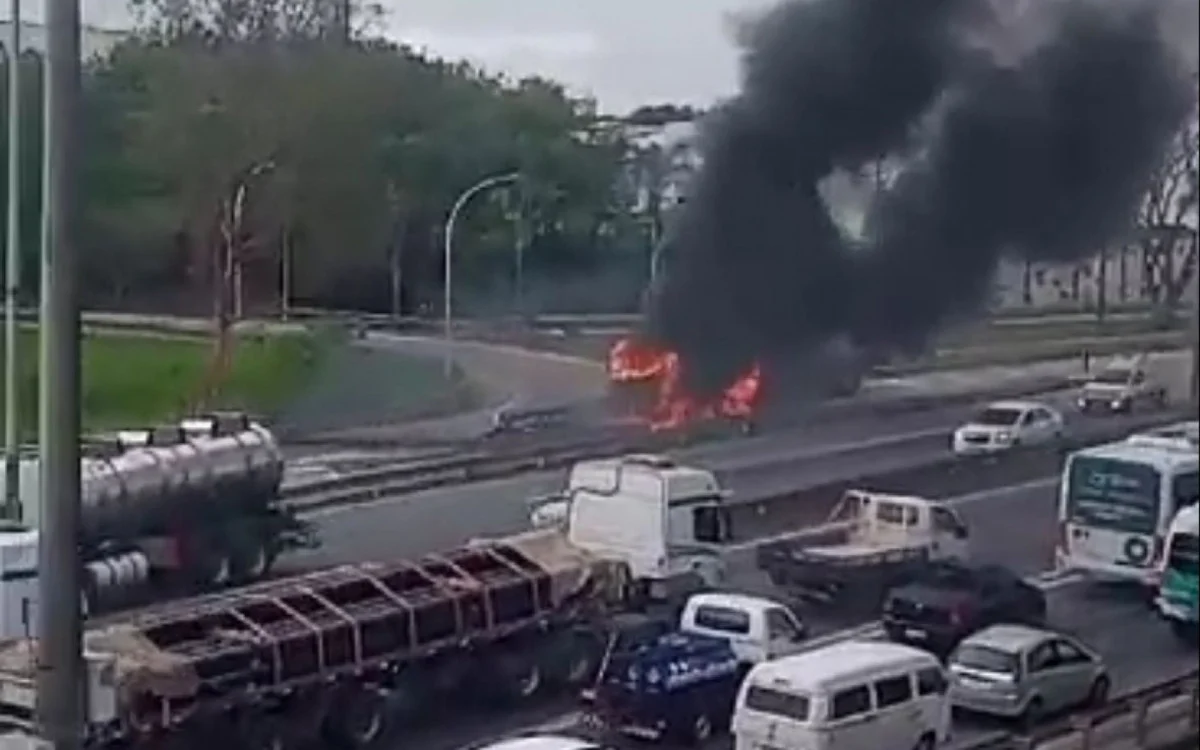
(519, 678)
(571, 660)
(357, 719)
(250, 559)
(210, 564)
(265, 732)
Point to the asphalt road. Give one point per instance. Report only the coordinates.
(1014, 527)
(422, 522)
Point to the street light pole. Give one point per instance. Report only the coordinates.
(12, 278)
(447, 259)
(59, 702)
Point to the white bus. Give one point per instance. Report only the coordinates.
(1117, 501)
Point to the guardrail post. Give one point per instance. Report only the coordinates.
(1085, 727)
(1194, 713)
(1141, 708)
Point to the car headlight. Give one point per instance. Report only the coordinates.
(1003, 437)
(1082, 401)
(1117, 403)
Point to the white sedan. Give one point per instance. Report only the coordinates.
(1005, 425)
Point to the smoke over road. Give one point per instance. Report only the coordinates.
(1038, 150)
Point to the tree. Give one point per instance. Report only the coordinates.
(1167, 231)
(368, 144)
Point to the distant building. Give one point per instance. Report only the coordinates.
(93, 42)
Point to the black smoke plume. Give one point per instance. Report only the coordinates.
(1043, 156)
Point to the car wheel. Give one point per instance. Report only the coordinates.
(1098, 695)
(927, 742)
(701, 730)
(1034, 711)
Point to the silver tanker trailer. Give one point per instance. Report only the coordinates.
(190, 507)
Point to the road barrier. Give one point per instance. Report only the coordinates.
(1159, 717)
(478, 461)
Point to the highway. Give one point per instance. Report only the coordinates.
(1012, 526)
(422, 522)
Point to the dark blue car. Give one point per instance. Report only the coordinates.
(679, 687)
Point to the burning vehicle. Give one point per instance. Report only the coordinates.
(646, 383)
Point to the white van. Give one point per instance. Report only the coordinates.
(848, 696)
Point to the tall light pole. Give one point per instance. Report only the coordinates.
(1194, 384)
(12, 274)
(448, 258)
(59, 659)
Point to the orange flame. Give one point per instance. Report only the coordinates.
(631, 361)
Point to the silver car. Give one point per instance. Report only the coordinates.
(1019, 672)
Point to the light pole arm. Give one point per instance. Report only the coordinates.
(448, 261)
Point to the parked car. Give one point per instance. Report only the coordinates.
(949, 601)
(1005, 425)
(1020, 672)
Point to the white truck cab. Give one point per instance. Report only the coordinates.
(663, 519)
(1122, 385)
(757, 628)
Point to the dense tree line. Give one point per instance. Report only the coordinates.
(231, 146)
(254, 139)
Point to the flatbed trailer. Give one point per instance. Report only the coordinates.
(340, 655)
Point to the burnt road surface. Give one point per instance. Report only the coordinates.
(1013, 526)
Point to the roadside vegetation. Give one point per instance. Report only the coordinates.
(133, 380)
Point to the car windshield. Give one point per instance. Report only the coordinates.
(985, 659)
(1113, 376)
(998, 416)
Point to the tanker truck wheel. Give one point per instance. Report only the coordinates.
(211, 566)
(249, 559)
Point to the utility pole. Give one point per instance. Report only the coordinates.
(1194, 386)
(60, 669)
(12, 277)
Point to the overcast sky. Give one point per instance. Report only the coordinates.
(624, 52)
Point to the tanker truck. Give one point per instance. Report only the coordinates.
(177, 509)
(344, 653)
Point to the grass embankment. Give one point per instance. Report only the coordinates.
(139, 380)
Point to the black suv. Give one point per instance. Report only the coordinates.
(949, 601)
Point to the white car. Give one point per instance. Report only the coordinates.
(542, 742)
(1122, 386)
(1005, 425)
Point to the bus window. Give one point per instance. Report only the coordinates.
(1185, 489)
(1112, 494)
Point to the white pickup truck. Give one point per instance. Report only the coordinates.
(872, 541)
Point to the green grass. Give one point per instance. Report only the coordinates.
(134, 380)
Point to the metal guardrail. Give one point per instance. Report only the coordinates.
(584, 320)
(478, 463)
(1158, 717)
